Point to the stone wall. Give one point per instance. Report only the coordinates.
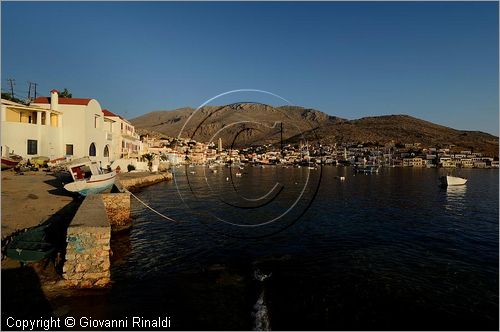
(88, 246)
(118, 209)
(87, 263)
(134, 181)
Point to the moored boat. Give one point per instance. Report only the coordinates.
(453, 181)
(30, 246)
(88, 178)
(11, 161)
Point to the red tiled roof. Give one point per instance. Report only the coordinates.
(108, 113)
(63, 101)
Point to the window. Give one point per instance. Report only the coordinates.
(32, 146)
(92, 150)
(69, 149)
(106, 151)
(96, 121)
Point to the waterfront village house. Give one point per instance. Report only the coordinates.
(30, 131)
(83, 130)
(126, 143)
(60, 127)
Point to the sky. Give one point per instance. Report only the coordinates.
(437, 61)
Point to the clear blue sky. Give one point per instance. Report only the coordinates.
(433, 60)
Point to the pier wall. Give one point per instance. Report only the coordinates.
(134, 181)
(118, 210)
(87, 263)
(87, 258)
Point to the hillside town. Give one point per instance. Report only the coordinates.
(59, 129)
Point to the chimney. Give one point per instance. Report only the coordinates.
(54, 100)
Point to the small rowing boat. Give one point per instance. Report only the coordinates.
(88, 177)
(11, 161)
(31, 246)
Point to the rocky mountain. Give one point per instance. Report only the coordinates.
(246, 124)
(242, 123)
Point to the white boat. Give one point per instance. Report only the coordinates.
(452, 180)
(238, 174)
(88, 177)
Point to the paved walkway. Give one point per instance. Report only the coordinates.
(30, 199)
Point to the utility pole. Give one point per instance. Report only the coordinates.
(12, 83)
(29, 91)
(35, 84)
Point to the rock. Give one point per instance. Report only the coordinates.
(103, 282)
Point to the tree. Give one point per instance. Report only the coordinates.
(65, 94)
(6, 95)
(149, 157)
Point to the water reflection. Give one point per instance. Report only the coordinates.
(455, 199)
(356, 260)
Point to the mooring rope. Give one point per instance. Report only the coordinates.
(149, 207)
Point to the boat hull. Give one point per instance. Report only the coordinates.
(96, 184)
(8, 163)
(30, 246)
(453, 181)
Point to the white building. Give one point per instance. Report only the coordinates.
(83, 129)
(30, 131)
(66, 127)
(126, 143)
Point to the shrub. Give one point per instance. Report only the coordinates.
(130, 167)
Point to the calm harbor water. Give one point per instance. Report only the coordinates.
(385, 251)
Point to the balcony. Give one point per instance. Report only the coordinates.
(129, 135)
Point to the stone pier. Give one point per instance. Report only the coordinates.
(87, 263)
(134, 181)
(118, 210)
(88, 238)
